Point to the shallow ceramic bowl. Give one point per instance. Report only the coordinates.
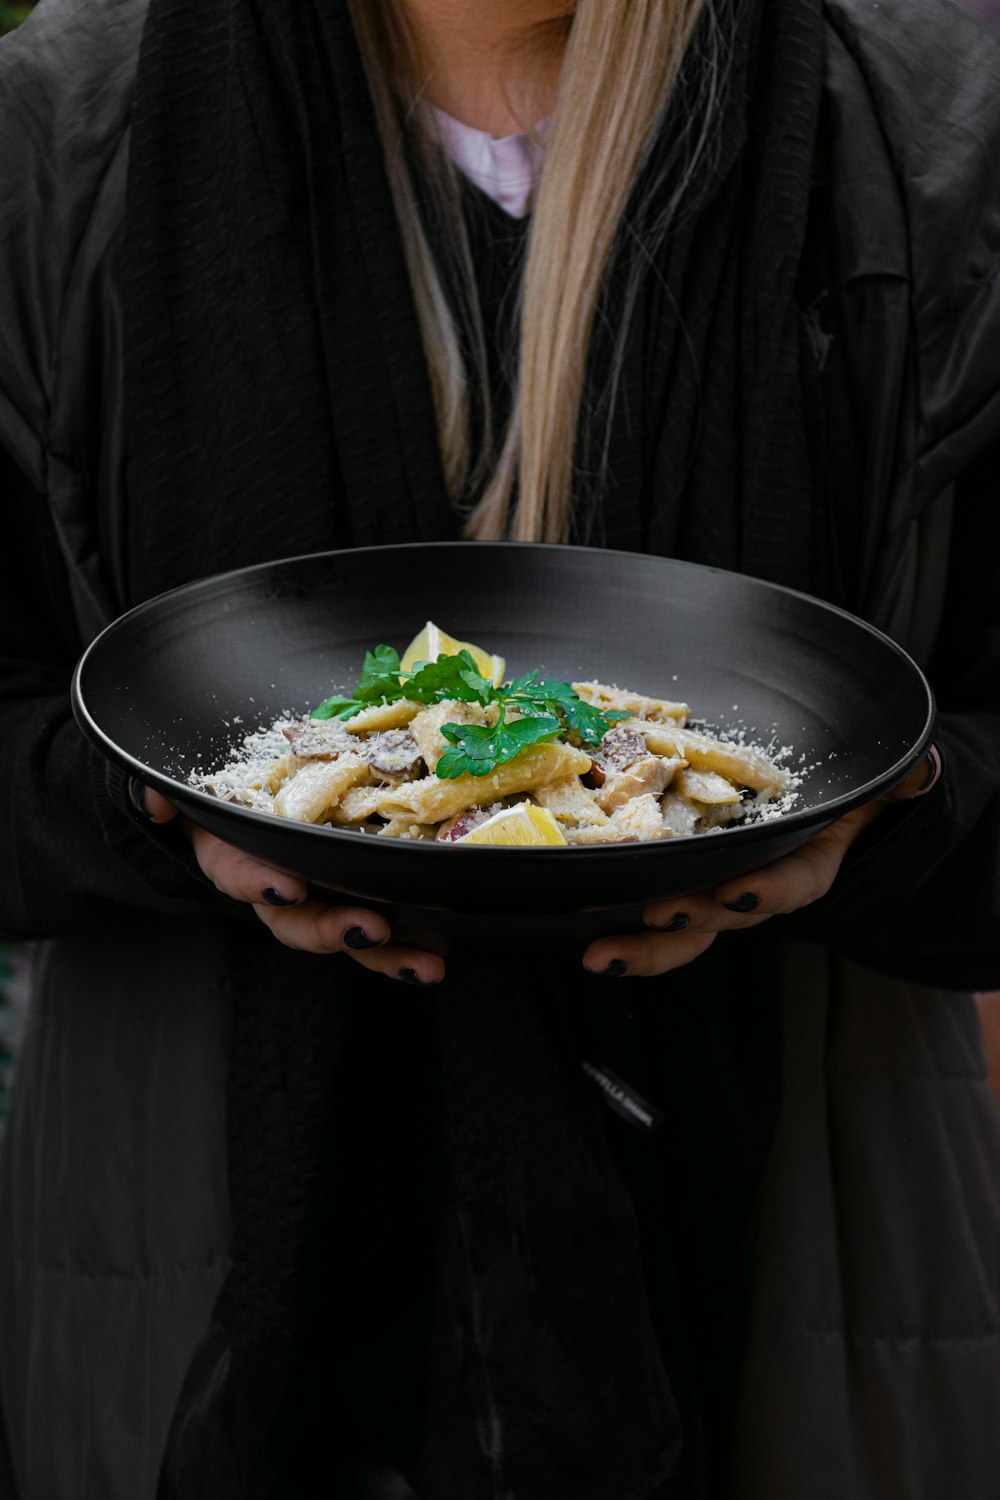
(173, 685)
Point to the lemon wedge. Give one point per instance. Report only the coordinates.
(432, 642)
(523, 824)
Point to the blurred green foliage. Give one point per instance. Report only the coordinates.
(12, 15)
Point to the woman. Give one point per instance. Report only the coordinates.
(267, 1216)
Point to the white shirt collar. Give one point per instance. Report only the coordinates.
(507, 169)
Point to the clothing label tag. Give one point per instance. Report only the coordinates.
(624, 1100)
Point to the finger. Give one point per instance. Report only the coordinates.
(246, 878)
(922, 779)
(704, 912)
(805, 875)
(789, 883)
(695, 912)
(642, 954)
(796, 880)
(152, 806)
(316, 927)
(785, 885)
(408, 965)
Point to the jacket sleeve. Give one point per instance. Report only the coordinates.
(919, 894)
(74, 845)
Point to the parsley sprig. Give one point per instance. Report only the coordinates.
(544, 710)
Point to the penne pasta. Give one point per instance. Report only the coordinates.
(680, 815)
(637, 821)
(705, 786)
(358, 804)
(383, 716)
(658, 710)
(571, 802)
(431, 800)
(454, 754)
(426, 727)
(312, 794)
(739, 764)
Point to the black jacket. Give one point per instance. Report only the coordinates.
(113, 1242)
(911, 235)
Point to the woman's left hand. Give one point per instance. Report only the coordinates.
(685, 926)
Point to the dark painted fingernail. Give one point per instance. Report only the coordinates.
(274, 898)
(357, 937)
(137, 793)
(677, 923)
(749, 902)
(410, 976)
(616, 968)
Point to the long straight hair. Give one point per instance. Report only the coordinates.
(621, 65)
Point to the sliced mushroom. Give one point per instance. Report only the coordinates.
(320, 739)
(394, 754)
(619, 749)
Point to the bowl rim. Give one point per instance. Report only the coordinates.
(797, 818)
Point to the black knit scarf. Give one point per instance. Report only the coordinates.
(436, 1269)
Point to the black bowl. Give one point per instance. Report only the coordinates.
(173, 684)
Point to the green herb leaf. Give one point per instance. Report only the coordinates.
(379, 684)
(448, 677)
(481, 747)
(548, 708)
(481, 687)
(590, 723)
(455, 762)
(521, 686)
(331, 708)
(379, 677)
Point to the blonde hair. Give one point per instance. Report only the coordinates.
(621, 64)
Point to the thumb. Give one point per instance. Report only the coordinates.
(921, 780)
(152, 806)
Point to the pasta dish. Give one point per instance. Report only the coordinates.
(437, 745)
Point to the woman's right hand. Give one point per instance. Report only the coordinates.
(283, 903)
